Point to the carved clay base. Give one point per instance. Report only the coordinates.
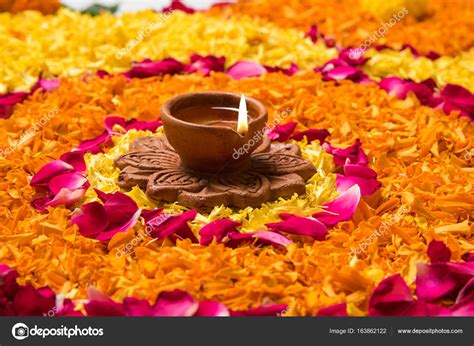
(274, 171)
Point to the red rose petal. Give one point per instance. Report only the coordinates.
(438, 251)
(300, 226)
(217, 229)
(49, 171)
(334, 310)
(282, 133)
(311, 135)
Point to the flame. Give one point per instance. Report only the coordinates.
(242, 122)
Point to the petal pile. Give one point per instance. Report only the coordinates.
(354, 163)
(59, 183)
(436, 282)
(23, 300)
(118, 213)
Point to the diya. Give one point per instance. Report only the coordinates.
(214, 152)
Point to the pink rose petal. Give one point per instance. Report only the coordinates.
(94, 145)
(353, 56)
(339, 310)
(367, 186)
(75, 159)
(311, 135)
(111, 121)
(438, 251)
(30, 301)
(118, 214)
(340, 209)
(70, 181)
(205, 64)
(174, 226)
(468, 257)
(212, 308)
(259, 238)
(269, 310)
(464, 305)
(217, 229)
(49, 171)
(8, 102)
(175, 303)
(350, 155)
(67, 196)
(282, 133)
(245, 69)
(313, 33)
(391, 297)
(47, 85)
(442, 279)
(137, 307)
(143, 125)
(148, 68)
(151, 214)
(300, 226)
(456, 97)
(290, 71)
(343, 72)
(101, 305)
(91, 219)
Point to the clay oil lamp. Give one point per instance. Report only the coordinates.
(214, 152)
(207, 128)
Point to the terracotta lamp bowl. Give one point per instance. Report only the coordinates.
(204, 137)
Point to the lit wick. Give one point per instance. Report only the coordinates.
(242, 122)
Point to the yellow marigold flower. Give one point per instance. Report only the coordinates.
(76, 44)
(454, 70)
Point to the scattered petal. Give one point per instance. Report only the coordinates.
(334, 310)
(438, 251)
(300, 226)
(245, 69)
(259, 238)
(175, 303)
(311, 135)
(211, 308)
(218, 230)
(8, 102)
(205, 64)
(442, 279)
(340, 209)
(282, 133)
(174, 226)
